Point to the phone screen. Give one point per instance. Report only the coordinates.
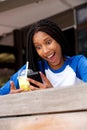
(36, 76)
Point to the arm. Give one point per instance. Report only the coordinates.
(12, 85)
(5, 89)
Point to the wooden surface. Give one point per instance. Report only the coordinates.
(63, 121)
(54, 109)
(44, 101)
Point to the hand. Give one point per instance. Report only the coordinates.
(13, 89)
(44, 85)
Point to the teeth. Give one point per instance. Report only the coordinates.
(50, 56)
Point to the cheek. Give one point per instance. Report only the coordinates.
(39, 52)
(55, 45)
(58, 49)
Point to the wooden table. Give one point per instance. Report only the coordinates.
(48, 109)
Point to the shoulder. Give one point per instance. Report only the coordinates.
(79, 58)
(76, 58)
(76, 61)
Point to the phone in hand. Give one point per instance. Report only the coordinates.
(36, 76)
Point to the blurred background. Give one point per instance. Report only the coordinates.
(17, 16)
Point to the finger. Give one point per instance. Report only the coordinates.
(12, 85)
(19, 90)
(33, 88)
(40, 85)
(16, 91)
(13, 88)
(44, 78)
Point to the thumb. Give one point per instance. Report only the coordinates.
(12, 85)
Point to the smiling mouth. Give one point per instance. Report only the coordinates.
(51, 58)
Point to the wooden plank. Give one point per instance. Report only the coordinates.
(73, 98)
(67, 121)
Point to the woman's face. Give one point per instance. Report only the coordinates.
(48, 49)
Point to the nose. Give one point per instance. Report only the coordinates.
(45, 49)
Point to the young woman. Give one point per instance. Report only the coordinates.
(47, 52)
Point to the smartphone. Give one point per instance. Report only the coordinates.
(36, 76)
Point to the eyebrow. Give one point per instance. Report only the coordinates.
(46, 38)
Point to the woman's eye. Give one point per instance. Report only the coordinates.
(49, 41)
(38, 47)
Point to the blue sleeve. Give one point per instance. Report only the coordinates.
(5, 89)
(82, 68)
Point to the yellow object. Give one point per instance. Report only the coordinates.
(23, 83)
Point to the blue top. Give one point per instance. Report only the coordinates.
(72, 72)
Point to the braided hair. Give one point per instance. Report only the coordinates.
(51, 29)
